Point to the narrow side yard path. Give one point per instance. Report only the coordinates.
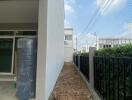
(70, 85)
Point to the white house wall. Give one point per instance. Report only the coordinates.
(55, 43)
(68, 46)
(68, 54)
(68, 31)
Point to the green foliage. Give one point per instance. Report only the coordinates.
(125, 50)
(115, 60)
(84, 54)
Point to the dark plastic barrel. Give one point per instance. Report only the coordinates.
(26, 68)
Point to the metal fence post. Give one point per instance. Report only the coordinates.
(79, 61)
(91, 65)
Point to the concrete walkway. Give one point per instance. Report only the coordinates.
(70, 85)
(7, 91)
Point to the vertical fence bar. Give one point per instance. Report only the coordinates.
(108, 78)
(98, 71)
(79, 61)
(118, 80)
(88, 67)
(113, 81)
(103, 76)
(124, 72)
(105, 79)
(131, 79)
(95, 72)
(104, 94)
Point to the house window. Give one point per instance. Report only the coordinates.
(103, 46)
(106, 46)
(68, 37)
(26, 33)
(8, 49)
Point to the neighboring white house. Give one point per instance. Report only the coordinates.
(84, 48)
(112, 42)
(106, 43)
(68, 45)
(46, 19)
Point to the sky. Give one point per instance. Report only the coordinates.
(104, 18)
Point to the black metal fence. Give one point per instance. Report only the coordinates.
(113, 77)
(75, 59)
(84, 64)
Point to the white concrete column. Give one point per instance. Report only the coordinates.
(91, 65)
(42, 48)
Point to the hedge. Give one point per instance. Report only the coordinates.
(124, 54)
(120, 51)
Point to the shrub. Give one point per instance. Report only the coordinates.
(125, 50)
(116, 69)
(84, 54)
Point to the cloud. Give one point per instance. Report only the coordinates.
(68, 8)
(70, 1)
(127, 31)
(69, 12)
(67, 24)
(125, 35)
(108, 6)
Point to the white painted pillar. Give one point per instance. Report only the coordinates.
(91, 65)
(42, 48)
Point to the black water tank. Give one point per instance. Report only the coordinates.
(26, 68)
